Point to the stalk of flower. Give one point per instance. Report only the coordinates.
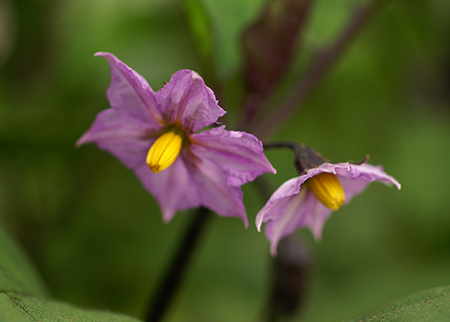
(161, 137)
(309, 199)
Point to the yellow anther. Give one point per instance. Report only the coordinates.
(327, 189)
(164, 151)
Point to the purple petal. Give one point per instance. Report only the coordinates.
(130, 92)
(312, 214)
(293, 185)
(369, 173)
(123, 135)
(187, 101)
(356, 178)
(353, 177)
(293, 206)
(289, 209)
(239, 154)
(197, 177)
(287, 189)
(173, 188)
(210, 181)
(190, 183)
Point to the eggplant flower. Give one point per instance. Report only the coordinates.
(308, 200)
(157, 135)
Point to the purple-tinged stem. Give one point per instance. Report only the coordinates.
(290, 279)
(290, 269)
(264, 125)
(305, 157)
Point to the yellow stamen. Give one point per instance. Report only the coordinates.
(327, 189)
(164, 151)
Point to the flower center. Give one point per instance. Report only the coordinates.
(327, 189)
(165, 150)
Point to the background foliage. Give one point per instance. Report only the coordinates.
(97, 237)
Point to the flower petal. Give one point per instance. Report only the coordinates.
(291, 213)
(173, 188)
(210, 181)
(189, 184)
(123, 135)
(356, 178)
(293, 205)
(187, 101)
(287, 189)
(239, 154)
(130, 92)
(369, 173)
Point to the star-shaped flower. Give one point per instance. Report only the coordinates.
(308, 200)
(157, 135)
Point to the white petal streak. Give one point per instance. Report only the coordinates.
(286, 219)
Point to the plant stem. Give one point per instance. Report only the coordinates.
(290, 278)
(291, 267)
(305, 157)
(170, 284)
(264, 125)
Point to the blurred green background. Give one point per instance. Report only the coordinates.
(96, 235)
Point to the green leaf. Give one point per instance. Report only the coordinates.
(24, 296)
(429, 305)
(22, 308)
(16, 270)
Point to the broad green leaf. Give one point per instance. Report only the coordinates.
(24, 297)
(16, 270)
(22, 308)
(429, 305)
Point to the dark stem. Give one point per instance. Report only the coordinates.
(291, 267)
(265, 124)
(290, 277)
(305, 157)
(295, 147)
(170, 284)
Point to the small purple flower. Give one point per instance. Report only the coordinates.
(307, 202)
(156, 134)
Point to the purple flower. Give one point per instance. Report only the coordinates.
(156, 134)
(308, 200)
